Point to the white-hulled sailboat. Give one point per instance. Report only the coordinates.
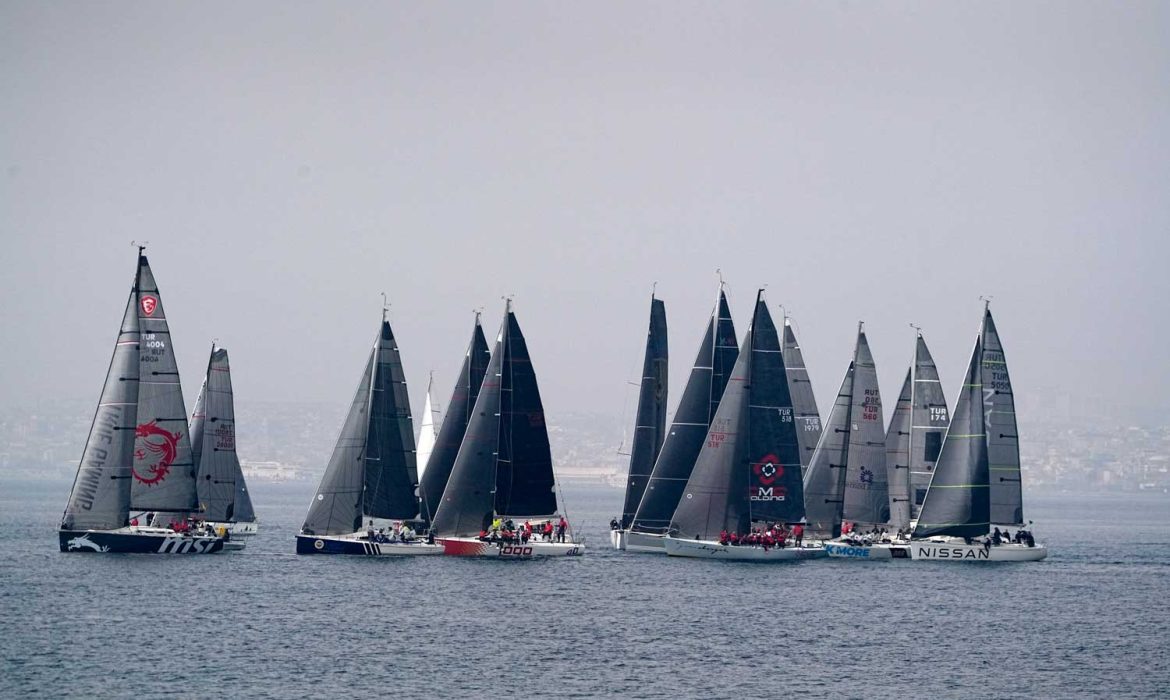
(503, 470)
(428, 432)
(748, 472)
(976, 482)
(371, 478)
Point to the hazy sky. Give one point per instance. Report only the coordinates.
(290, 161)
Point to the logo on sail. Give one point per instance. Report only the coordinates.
(149, 304)
(767, 470)
(866, 476)
(159, 444)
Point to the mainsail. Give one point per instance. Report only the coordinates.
(898, 455)
(866, 481)
(929, 425)
(748, 468)
(957, 502)
(650, 425)
(808, 418)
(504, 466)
(700, 399)
(434, 478)
(223, 494)
(427, 433)
(372, 471)
(162, 469)
(100, 498)
(1003, 442)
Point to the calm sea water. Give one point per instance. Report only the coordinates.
(1091, 621)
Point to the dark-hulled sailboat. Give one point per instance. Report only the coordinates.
(650, 424)
(463, 397)
(503, 470)
(700, 399)
(976, 482)
(372, 474)
(748, 470)
(138, 455)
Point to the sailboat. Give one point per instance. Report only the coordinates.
(847, 479)
(976, 481)
(433, 481)
(915, 437)
(748, 470)
(503, 471)
(808, 418)
(650, 425)
(700, 399)
(371, 475)
(427, 434)
(138, 454)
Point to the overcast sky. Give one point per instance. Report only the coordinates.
(290, 161)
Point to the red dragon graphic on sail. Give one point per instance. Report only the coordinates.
(158, 443)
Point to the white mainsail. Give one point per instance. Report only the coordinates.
(429, 431)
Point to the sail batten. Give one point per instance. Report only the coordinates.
(930, 420)
(1003, 445)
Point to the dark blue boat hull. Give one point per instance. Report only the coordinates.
(98, 541)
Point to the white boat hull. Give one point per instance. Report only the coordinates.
(237, 529)
(359, 545)
(474, 547)
(882, 551)
(644, 542)
(705, 549)
(617, 538)
(928, 550)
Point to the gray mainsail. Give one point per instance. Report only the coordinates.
(929, 423)
(454, 426)
(100, 497)
(650, 424)
(1003, 442)
(824, 480)
(223, 494)
(748, 468)
(866, 482)
(162, 469)
(957, 502)
(808, 418)
(504, 466)
(898, 455)
(700, 398)
(372, 472)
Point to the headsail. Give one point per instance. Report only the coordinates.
(957, 502)
(100, 498)
(427, 433)
(867, 496)
(162, 469)
(898, 455)
(717, 354)
(808, 418)
(434, 478)
(504, 466)
(223, 495)
(650, 425)
(748, 468)
(930, 421)
(824, 481)
(1003, 440)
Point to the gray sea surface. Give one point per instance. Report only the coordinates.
(1090, 621)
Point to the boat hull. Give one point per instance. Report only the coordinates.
(644, 542)
(617, 538)
(129, 541)
(472, 547)
(344, 544)
(960, 551)
(237, 529)
(706, 549)
(881, 551)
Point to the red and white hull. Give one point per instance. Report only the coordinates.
(474, 547)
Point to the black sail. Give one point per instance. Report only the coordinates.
(223, 495)
(929, 425)
(867, 495)
(692, 418)
(504, 466)
(100, 498)
(824, 481)
(525, 484)
(650, 425)
(162, 469)
(957, 502)
(808, 418)
(1003, 440)
(748, 468)
(391, 473)
(459, 411)
(898, 456)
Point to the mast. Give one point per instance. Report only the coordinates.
(1003, 442)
